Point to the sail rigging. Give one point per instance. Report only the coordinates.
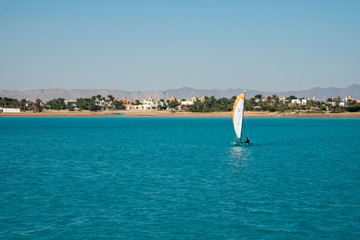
(238, 115)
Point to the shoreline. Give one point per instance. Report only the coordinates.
(155, 113)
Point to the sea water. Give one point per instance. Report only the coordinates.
(178, 178)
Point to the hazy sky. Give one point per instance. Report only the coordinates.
(156, 45)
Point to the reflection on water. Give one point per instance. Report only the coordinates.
(240, 156)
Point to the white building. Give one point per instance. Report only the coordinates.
(187, 103)
(129, 106)
(149, 104)
(146, 105)
(341, 104)
(70, 101)
(10, 110)
(302, 101)
(295, 101)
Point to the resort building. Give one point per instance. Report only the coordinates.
(134, 107)
(338, 102)
(10, 110)
(194, 99)
(301, 101)
(203, 99)
(70, 102)
(149, 104)
(125, 101)
(173, 99)
(284, 100)
(341, 104)
(129, 106)
(146, 104)
(185, 103)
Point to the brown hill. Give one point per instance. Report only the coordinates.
(185, 92)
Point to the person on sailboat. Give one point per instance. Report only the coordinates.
(247, 140)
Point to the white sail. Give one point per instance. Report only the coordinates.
(238, 114)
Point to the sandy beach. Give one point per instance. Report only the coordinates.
(155, 113)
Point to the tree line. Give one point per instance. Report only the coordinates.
(95, 103)
(210, 104)
(272, 104)
(23, 104)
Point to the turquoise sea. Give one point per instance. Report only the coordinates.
(178, 178)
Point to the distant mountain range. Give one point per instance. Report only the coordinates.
(185, 92)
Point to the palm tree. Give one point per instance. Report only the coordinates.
(37, 105)
(337, 104)
(291, 98)
(268, 101)
(111, 97)
(23, 104)
(233, 99)
(276, 100)
(111, 101)
(98, 97)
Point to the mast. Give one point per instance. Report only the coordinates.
(242, 117)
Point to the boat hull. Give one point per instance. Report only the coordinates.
(240, 144)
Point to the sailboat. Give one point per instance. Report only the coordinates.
(238, 116)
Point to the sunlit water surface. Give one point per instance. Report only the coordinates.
(178, 178)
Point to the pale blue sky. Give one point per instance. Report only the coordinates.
(157, 45)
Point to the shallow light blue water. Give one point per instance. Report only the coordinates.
(178, 178)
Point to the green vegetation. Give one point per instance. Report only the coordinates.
(213, 105)
(94, 103)
(208, 104)
(255, 103)
(273, 104)
(23, 104)
(56, 104)
(173, 104)
(38, 107)
(87, 104)
(10, 103)
(353, 108)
